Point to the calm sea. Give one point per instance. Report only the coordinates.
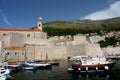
(60, 73)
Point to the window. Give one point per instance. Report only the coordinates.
(4, 34)
(15, 53)
(8, 53)
(28, 35)
(39, 25)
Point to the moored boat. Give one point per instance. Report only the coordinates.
(113, 57)
(5, 74)
(27, 67)
(13, 67)
(38, 64)
(88, 64)
(53, 63)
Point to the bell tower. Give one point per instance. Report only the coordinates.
(39, 25)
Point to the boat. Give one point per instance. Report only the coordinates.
(86, 64)
(53, 63)
(38, 64)
(4, 73)
(113, 57)
(13, 67)
(27, 66)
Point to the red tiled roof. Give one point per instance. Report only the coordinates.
(14, 48)
(19, 29)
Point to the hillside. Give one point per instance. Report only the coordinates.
(81, 26)
(84, 24)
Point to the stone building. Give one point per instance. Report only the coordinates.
(22, 44)
(16, 39)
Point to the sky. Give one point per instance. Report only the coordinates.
(25, 13)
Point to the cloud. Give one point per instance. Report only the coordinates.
(4, 17)
(112, 11)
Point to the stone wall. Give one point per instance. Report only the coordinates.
(39, 47)
(37, 41)
(54, 52)
(79, 39)
(111, 50)
(14, 55)
(46, 52)
(76, 50)
(16, 39)
(94, 50)
(95, 39)
(20, 38)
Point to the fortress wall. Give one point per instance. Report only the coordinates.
(13, 39)
(16, 39)
(37, 41)
(32, 34)
(75, 50)
(111, 50)
(14, 55)
(39, 47)
(30, 52)
(41, 35)
(79, 39)
(19, 38)
(6, 40)
(46, 52)
(94, 50)
(54, 52)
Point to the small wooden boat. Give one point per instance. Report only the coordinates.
(87, 64)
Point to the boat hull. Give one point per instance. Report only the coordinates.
(43, 66)
(91, 68)
(28, 68)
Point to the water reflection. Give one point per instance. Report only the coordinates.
(91, 77)
(60, 73)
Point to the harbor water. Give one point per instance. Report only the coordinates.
(60, 73)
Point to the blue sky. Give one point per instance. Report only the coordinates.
(25, 13)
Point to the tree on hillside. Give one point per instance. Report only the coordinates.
(108, 41)
(111, 40)
(103, 43)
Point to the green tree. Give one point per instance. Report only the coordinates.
(108, 41)
(111, 40)
(103, 43)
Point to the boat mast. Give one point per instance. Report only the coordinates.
(46, 56)
(34, 51)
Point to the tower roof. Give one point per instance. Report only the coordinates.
(40, 18)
